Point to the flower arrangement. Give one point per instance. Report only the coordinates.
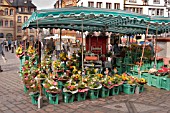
(64, 77)
(125, 77)
(71, 87)
(63, 56)
(19, 52)
(117, 79)
(152, 70)
(30, 51)
(51, 86)
(82, 87)
(142, 81)
(76, 77)
(132, 80)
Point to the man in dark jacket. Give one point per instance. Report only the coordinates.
(51, 46)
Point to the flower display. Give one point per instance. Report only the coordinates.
(71, 87)
(30, 51)
(125, 77)
(142, 81)
(19, 52)
(51, 86)
(76, 77)
(82, 87)
(63, 56)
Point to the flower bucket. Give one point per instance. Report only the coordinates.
(128, 89)
(53, 98)
(115, 90)
(141, 88)
(81, 96)
(60, 84)
(68, 97)
(25, 89)
(104, 92)
(93, 93)
(34, 97)
(165, 83)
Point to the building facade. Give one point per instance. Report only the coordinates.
(13, 14)
(148, 7)
(108, 4)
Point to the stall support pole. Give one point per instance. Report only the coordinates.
(155, 63)
(82, 47)
(143, 50)
(60, 38)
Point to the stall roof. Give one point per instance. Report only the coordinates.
(97, 19)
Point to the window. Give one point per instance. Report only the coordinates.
(11, 23)
(32, 30)
(19, 9)
(1, 12)
(162, 12)
(108, 5)
(1, 23)
(99, 5)
(32, 10)
(19, 29)
(1, 1)
(6, 11)
(25, 9)
(90, 4)
(156, 12)
(141, 11)
(19, 18)
(156, 1)
(117, 6)
(6, 23)
(11, 11)
(134, 1)
(82, 4)
(25, 18)
(11, 1)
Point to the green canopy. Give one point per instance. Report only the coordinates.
(96, 19)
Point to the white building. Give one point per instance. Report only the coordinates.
(149, 7)
(108, 4)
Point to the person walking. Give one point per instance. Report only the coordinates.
(51, 46)
(9, 44)
(3, 56)
(12, 47)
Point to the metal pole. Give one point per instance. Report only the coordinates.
(60, 38)
(156, 46)
(143, 49)
(82, 46)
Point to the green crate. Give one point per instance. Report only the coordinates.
(53, 98)
(128, 89)
(120, 88)
(165, 83)
(81, 96)
(93, 93)
(146, 76)
(119, 61)
(104, 92)
(115, 90)
(68, 97)
(141, 88)
(25, 89)
(34, 98)
(155, 81)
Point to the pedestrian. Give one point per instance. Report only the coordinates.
(12, 47)
(37, 46)
(15, 44)
(3, 55)
(51, 46)
(6, 45)
(9, 44)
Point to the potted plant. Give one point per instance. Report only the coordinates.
(69, 91)
(82, 90)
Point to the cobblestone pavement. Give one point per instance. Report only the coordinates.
(14, 100)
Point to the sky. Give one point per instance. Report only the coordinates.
(44, 4)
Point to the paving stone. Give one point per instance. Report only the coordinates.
(3, 108)
(8, 111)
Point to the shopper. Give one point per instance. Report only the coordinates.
(51, 46)
(6, 45)
(3, 55)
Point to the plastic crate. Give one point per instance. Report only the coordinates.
(53, 99)
(115, 90)
(34, 98)
(68, 97)
(104, 92)
(81, 96)
(147, 77)
(155, 81)
(165, 83)
(128, 89)
(93, 93)
(119, 61)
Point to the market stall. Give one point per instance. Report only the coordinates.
(69, 75)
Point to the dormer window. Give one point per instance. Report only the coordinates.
(25, 1)
(11, 1)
